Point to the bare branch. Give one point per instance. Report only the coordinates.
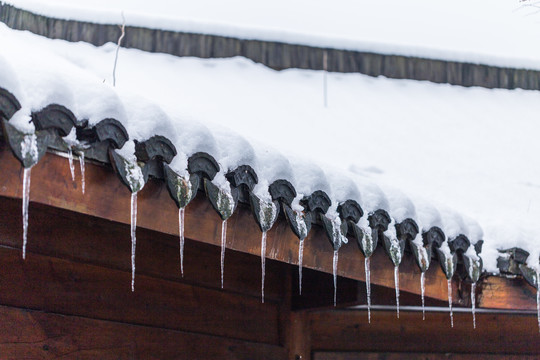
(123, 29)
(325, 79)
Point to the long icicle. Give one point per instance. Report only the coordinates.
(300, 260)
(81, 161)
(367, 264)
(473, 303)
(396, 283)
(133, 236)
(26, 201)
(334, 271)
(71, 165)
(450, 302)
(223, 243)
(423, 289)
(181, 212)
(538, 298)
(263, 263)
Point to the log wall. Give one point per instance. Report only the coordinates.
(276, 55)
(71, 298)
(106, 197)
(346, 335)
(29, 334)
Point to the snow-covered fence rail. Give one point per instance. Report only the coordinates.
(277, 55)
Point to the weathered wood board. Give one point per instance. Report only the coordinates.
(495, 333)
(276, 55)
(26, 334)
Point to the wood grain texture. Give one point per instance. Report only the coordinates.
(65, 287)
(107, 198)
(495, 333)
(36, 335)
(300, 341)
(318, 289)
(415, 356)
(497, 293)
(81, 238)
(275, 55)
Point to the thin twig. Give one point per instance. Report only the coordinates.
(122, 28)
(325, 79)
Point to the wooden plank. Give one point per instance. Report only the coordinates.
(276, 55)
(65, 287)
(318, 290)
(498, 293)
(81, 238)
(300, 341)
(37, 335)
(419, 356)
(495, 333)
(107, 198)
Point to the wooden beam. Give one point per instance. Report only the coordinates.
(107, 198)
(495, 333)
(70, 288)
(408, 355)
(300, 341)
(501, 293)
(318, 289)
(26, 334)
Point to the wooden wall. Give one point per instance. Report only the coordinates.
(107, 198)
(346, 335)
(276, 55)
(71, 297)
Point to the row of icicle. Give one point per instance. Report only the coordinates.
(181, 228)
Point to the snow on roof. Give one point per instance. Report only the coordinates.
(501, 33)
(471, 149)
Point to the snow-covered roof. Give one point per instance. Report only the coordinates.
(443, 146)
(501, 33)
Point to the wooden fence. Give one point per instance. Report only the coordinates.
(276, 55)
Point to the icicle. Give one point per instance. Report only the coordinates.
(303, 231)
(266, 216)
(334, 270)
(223, 242)
(473, 303)
(538, 298)
(263, 263)
(181, 212)
(301, 222)
(71, 165)
(450, 302)
(423, 288)
(133, 237)
(396, 282)
(81, 160)
(26, 200)
(338, 239)
(325, 78)
(28, 149)
(367, 262)
(538, 308)
(300, 259)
